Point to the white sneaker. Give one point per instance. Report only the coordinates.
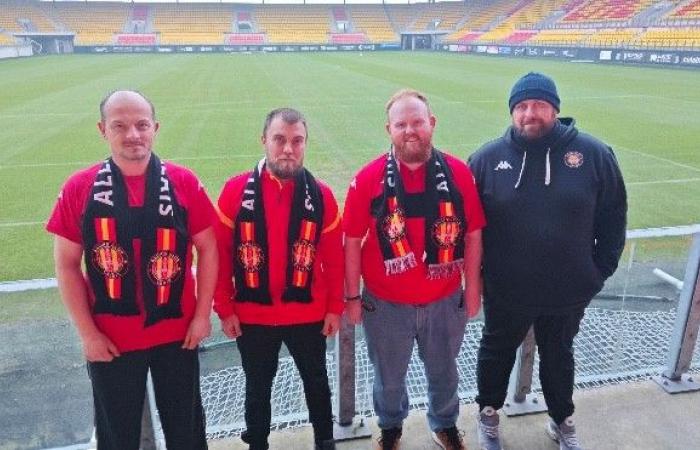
(564, 434)
(487, 429)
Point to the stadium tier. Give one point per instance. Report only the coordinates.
(440, 16)
(607, 10)
(373, 21)
(481, 17)
(689, 10)
(93, 23)
(562, 37)
(589, 23)
(181, 24)
(294, 24)
(669, 38)
(19, 17)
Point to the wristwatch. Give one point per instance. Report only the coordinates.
(353, 298)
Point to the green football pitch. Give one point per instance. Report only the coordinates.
(211, 109)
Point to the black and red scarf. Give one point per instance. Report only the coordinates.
(251, 257)
(109, 227)
(440, 205)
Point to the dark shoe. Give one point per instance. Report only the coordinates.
(325, 445)
(253, 442)
(449, 438)
(389, 440)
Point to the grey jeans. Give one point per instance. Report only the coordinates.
(390, 329)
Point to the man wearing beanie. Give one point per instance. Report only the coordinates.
(556, 207)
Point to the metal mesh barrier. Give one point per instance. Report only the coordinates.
(624, 336)
(612, 347)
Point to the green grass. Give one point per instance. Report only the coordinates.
(211, 109)
(31, 305)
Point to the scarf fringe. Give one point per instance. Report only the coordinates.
(447, 270)
(401, 264)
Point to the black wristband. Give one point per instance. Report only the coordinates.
(353, 298)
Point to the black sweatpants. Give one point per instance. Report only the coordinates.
(504, 331)
(259, 346)
(119, 389)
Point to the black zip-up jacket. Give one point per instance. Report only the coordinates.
(556, 214)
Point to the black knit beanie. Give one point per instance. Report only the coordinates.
(534, 86)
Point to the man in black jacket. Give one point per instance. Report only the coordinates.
(556, 207)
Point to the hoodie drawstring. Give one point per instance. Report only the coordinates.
(522, 169)
(547, 169)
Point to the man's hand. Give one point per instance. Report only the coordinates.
(331, 325)
(353, 312)
(473, 309)
(98, 348)
(231, 326)
(199, 329)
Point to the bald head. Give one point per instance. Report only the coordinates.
(126, 95)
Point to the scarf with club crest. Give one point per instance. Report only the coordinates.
(441, 207)
(250, 259)
(109, 227)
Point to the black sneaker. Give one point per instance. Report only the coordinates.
(325, 445)
(389, 440)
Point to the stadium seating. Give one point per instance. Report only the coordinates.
(6, 40)
(401, 16)
(518, 37)
(478, 18)
(18, 17)
(180, 24)
(440, 16)
(670, 38)
(607, 10)
(562, 37)
(590, 23)
(96, 24)
(612, 37)
(687, 11)
(294, 24)
(373, 21)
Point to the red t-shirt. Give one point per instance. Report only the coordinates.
(328, 268)
(413, 286)
(128, 332)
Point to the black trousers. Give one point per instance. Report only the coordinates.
(259, 346)
(503, 333)
(119, 389)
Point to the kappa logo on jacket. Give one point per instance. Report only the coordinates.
(503, 165)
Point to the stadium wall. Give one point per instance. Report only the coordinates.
(232, 48)
(15, 51)
(607, 55)
(621, 56)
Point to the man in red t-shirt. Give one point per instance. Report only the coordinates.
(412, 225)
(133, 220)
(280, 274)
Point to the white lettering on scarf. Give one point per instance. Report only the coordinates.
(104, 196)
(164, 209)
(307, 202)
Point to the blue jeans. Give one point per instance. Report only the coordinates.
(390, 329)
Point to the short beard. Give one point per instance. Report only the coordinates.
(411, 157)
(542, 132)
(283, 173)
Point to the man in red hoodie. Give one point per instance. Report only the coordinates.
(281, 274)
